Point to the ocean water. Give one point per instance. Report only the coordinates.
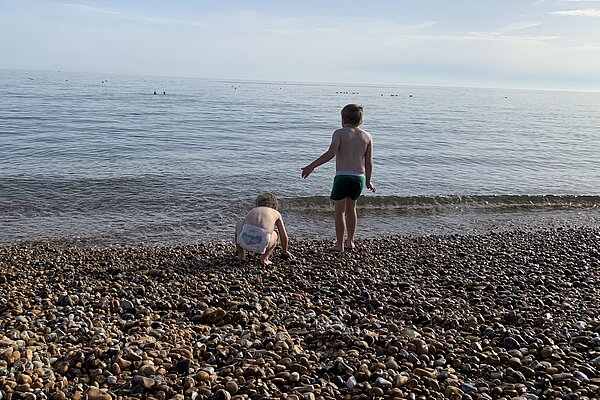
(102, 159)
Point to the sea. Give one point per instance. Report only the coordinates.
(117, 160)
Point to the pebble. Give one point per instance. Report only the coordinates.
(232, 387)
(351, 383)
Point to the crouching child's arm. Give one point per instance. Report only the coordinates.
(284, 239)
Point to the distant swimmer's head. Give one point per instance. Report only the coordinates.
(352, 114)
(267, 200)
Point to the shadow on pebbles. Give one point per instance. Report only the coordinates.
(512, 315)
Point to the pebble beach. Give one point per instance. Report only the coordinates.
(510, 315)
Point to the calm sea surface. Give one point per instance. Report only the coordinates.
(101, 158)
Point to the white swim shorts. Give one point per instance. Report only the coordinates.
(255, 239)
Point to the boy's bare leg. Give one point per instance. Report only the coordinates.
(264, 259)
(340, 225)
(241, 253)
(350, 222)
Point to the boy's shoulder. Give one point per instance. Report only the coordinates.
(345, 130)
(352, 131)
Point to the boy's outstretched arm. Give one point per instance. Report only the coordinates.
(369, 167)
(283, 236)
(328, 155)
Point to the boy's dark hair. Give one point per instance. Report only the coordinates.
(352, 114)
(267, 200)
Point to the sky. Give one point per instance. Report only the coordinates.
(528, 44)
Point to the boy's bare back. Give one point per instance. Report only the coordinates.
(352, 146)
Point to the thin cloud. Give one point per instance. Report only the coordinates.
(586, 47)
(162, 21)
(587, 12)
(145, 19)
(495, 36)
(517, 26)
(420, 26)
(477, 37)
(89, 9)
(300, 26)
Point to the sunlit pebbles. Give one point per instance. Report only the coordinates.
(511, 315)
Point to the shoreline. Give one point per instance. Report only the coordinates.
(498, 315)
(302, 227)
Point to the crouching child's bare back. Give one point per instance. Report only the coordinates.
(259, 230)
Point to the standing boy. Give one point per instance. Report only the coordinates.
(352, 148)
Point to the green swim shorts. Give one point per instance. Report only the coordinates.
(347, 186)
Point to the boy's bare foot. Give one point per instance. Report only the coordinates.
(266, 262)
(349, 245)
(336, 248)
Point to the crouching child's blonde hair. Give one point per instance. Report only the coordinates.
(267, 200)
